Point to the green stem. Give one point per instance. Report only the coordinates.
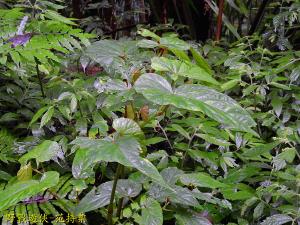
(39, 76)
(112, 196)
(120, 203)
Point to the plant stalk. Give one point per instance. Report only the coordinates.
(39, 76)
(110, 209)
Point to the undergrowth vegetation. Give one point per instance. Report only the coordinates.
(153, 130)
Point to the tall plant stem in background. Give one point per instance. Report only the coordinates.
(110, 209)
(219, 21)
(258, 17)
(39, 76)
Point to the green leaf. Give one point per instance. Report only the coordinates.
(26, 189)
(25, 173)
(100, 197)
(180, 130)
(182, 68)
(230, 84)
(47, 116)
(281, 86)
(38, 114)
(148, 33)
(130, 148)
(42, 153)
(258, 210)
(93, 151)
(147, 44)
(201, 180)
(174, 43)
(201, 61)
(125, 150)
(191, 218)
(196, 98)
(213, 140)
(151, 213)
(277, 219)
(56, 16)
(125, 126)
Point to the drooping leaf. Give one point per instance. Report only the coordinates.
(100, 196)
(44, 152)
(197, 98)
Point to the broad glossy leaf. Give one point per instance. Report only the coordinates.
(125, 150)
(201, 180)
(44, 152)
(191, 218)
(93, 151)
(100, 197)
(197, 98)
(182, 68)
(126, 126)
(26, 189)
(277, 219)
(151, 213)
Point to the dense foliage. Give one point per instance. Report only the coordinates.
(148, 130)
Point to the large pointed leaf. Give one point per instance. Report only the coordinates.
(26, 189)
(151, 213)
(125, 150)
(197, 98)
(42, 153)
(130, 148)
(93, 151)
(181, 68)
(100, 197)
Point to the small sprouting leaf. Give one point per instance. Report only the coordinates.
(151, 213)
(47, 116)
